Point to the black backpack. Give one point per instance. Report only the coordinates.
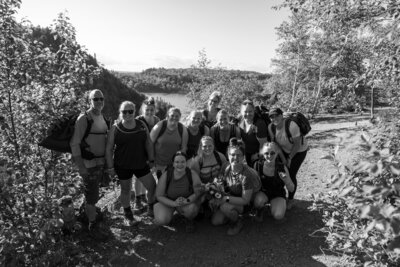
(261, 112)
(299, 119)
(60, 134)
(164, 127)
(170, 173)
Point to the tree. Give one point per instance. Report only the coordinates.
(37, 83)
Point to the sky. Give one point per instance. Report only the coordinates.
(134, 35)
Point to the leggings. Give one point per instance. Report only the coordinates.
(295, 164)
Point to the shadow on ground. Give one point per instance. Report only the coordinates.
(258, 244)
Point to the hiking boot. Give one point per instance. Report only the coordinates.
(259, 216)
(190, 227)
(150, 210)
(235, 227)
(289, 204)
(96, 232)
(129, 219)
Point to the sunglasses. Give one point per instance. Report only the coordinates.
(149, 102)
(129, 111)
(269, 153)
(98, 99)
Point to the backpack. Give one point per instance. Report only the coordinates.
(299, 119)
(61, 132)
(261, 112)
(170, 173)
(255, 179)
(164, 127)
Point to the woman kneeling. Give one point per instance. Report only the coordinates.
(274, 177)
(176, 191)
(240, 182)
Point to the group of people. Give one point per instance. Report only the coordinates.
(208, 167)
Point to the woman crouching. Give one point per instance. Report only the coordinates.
(241, 183)
(274, 177)
(176, 191)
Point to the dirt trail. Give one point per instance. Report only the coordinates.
(258, 244)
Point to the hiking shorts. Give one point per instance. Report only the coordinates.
(125, 174)
(91, 184)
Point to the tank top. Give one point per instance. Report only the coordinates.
(179, 188)
(130, 146)
(193, 143)
(219, 145)
(166, 146)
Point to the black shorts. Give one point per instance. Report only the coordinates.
(125, 174)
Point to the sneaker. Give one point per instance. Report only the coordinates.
(96, 232)
(259, 216)
(129, 219)
(190, 227)
(235, 227)
(289, 204)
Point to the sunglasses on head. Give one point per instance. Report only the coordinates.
(129, 111)
(149, 102)
(270, 153)
(98, 99)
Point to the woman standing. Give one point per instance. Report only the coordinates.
(294, 148)
(129, 152)
(223, 131)
(254, 131)
(147, 110)
(241, 184)
(168, 136)
(196, 131)
(210, 114)
(274, 177)
(176, 190)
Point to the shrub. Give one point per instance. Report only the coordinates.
(361, 213)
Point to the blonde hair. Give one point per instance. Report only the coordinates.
(216, 94)
(274, 146)
(205, 138)
(192, 114)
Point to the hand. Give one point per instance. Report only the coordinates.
(181, 201)
(282, 175)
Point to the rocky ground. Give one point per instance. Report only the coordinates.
(296, 242)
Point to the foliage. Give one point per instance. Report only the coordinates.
(362, 212)
(37, 83)
(332, 49)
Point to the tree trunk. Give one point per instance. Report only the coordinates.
(315, 108)
(295, 78)
(372, 101)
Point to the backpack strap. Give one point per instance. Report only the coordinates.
(170, 173)
(89, 122)
(141, 118)
(162, 130)
(287, 130)
(202, 129)
(180, 129)
(218, 158)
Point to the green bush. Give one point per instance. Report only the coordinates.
(361, 213)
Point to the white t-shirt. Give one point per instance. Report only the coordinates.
(282, 139)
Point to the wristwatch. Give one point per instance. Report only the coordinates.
(227, 199)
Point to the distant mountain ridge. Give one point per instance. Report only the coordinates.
(162, 80)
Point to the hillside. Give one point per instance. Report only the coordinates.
(161, 80)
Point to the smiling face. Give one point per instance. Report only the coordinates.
(195, 119)
(248, 112)
(96, 100)
(223, 120)
(207, 147)
(276, 119)
(179, 163)
(173, 118)
(149, 110)
(235, 156)
(127, 112)
(213, 103)
(269, 154)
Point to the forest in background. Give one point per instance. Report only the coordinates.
(334, 55)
